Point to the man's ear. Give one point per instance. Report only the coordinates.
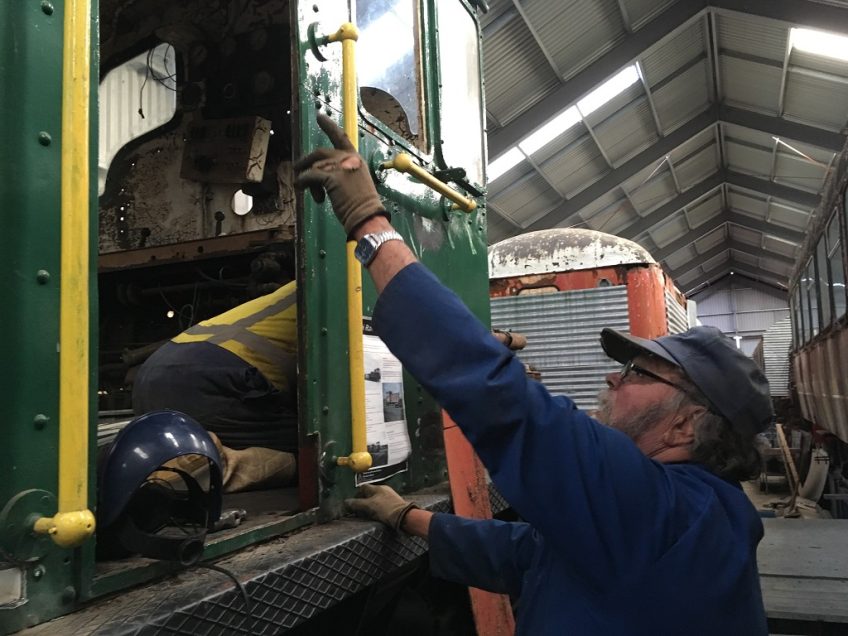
(682, 429)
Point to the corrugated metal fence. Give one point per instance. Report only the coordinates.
(675, 315)
(776, 343)
(563, 336)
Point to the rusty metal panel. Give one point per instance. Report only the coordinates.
(822, 384)
(563, 336)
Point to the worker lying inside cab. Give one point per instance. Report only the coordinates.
(235, 374)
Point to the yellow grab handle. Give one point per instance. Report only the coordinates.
(74, 523)
(403, 163)
(359, 459)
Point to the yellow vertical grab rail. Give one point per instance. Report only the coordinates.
(74, 523)
(359, 459)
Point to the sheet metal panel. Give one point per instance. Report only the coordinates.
(641, 12)
(698, 167)
(822, 383)
(776, 343)
(676, 316)
(577, 168)
(527, 200)
(516, 71)
(816, 100)
(753, 35)
(628, 132)
(750, 84)
(563, 336)
(683, 98)
(575, 33)
(666, 59)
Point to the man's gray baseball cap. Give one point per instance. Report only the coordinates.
(731, 381)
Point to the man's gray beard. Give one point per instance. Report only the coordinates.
(634, 425)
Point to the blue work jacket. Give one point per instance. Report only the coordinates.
(615, 543)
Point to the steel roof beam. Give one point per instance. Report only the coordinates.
(611, 180)
(690, 237)
(780, 127)
(677, 203)
(805, 200)
(771, 229)
(724, 246)
(669, 23)
(753, 273)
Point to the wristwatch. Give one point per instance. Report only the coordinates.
(366, 248)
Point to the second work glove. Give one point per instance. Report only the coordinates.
(380, 503)
(341, 172)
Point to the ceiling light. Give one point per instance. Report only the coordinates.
(503, 163)
(819, 43)
(550, 131)
(608, 90)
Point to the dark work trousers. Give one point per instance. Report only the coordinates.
(225, 394)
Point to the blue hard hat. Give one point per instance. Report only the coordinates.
(141, 448)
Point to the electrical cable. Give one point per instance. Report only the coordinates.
(248, 607)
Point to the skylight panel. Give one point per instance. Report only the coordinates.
(503, 163)
(608, 90)
(821, 43)
(550, 131)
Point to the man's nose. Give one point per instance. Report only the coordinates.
(613, 379)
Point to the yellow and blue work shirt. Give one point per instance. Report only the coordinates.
(262, 332)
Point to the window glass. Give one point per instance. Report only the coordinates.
(388, 65)
(460, 96)
(811, 289)
(837, 272)
(136, 97)
(823, 282)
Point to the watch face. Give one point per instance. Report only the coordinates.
(364, 251)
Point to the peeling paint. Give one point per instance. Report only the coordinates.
(562, 249)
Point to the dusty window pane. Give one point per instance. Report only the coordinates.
(389, 68)
(136, 97)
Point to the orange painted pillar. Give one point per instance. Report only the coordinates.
(470, 493)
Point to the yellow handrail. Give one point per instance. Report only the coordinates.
(359, 459)
(403, 163)
(74, 523)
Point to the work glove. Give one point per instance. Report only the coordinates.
(380, 503)
(341, 172)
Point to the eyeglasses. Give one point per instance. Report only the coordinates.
(631, 368)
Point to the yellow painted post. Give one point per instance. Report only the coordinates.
(74, 523)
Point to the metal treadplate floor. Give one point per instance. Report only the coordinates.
(289, 580)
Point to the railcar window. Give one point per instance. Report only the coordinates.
(461, 118)
(136, 97)
(823, 283)
(812, 308)
(389, 68)
(837, 272)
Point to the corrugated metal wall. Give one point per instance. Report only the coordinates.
(776, 342)
(742, 310)
(675, 315)
(135, 100)
(563, 336)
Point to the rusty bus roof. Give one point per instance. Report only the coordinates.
(562, 249)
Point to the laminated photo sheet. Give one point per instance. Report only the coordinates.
(387, 436)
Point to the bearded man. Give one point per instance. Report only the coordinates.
(635, 524)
